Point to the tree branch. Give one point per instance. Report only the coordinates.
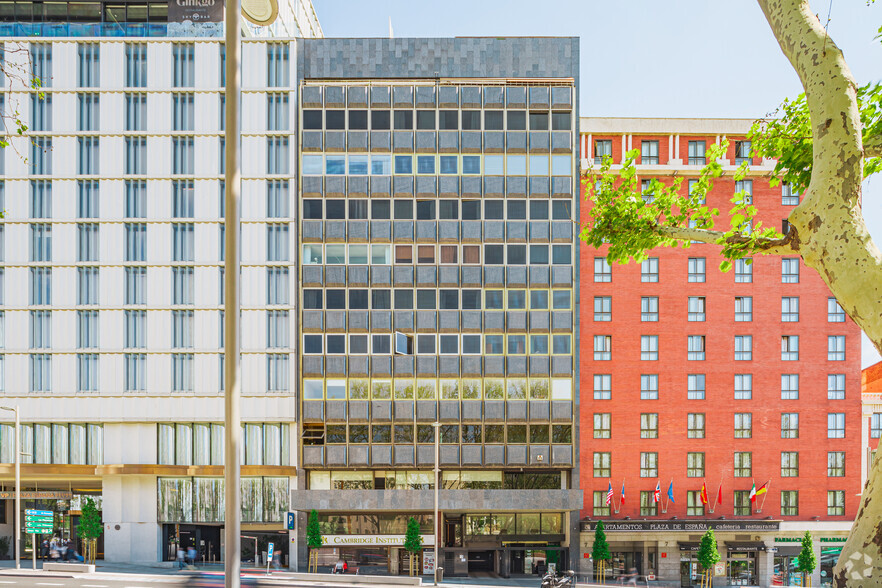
(782, 246)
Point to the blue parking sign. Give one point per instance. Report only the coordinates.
(289, 520)
(269, 551)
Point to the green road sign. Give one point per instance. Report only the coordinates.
(38, 530)
(39, 513)
(36, 519)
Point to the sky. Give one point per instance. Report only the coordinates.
(646, 58)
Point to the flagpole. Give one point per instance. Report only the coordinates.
(765, 494)
(622, 495)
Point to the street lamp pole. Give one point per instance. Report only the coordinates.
(232, 427)
(435, 517)
(17, 518)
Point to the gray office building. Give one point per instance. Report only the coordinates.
(437, 257)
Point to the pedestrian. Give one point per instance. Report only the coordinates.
(181, 556)
(338, 567)
(191, 556)
(631, 577)
(53, 548)
(44, 549)
(62, 550)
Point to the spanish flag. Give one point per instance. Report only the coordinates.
(754, 492)
(703, 494)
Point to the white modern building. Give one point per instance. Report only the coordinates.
(111, 308)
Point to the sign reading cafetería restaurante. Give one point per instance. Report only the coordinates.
(195, 10)
(589, 526)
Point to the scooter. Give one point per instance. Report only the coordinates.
(551, 580)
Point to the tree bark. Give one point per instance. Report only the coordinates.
(830, 233)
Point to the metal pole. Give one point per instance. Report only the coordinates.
(435, 517)
(34, 548)
(17, 517)
(232, 427)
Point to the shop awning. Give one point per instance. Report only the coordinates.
(688, 545)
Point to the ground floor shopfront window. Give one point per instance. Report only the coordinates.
(370, 560)
(741, 568)
(829, 557)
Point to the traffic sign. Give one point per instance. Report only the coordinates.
(289, 520)
(39, 521)
(269, 551)
(39, 513)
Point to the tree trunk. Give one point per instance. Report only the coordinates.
(831, 235)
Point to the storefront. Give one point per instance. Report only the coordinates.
(788, 548)
(378, 555)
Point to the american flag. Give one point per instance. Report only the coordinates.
(656, 496)
(609, 494)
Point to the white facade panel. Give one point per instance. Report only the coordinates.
(64, 330)
(253, 330)
(112, 68)
(64, 201)
(207, 156)
(254, 295)
(207, 57)
(253, 373)
(253, 157)
(112, 330)
(64, 374)
(112, 199)
(253, 199)
(206, 286)
(158, 294)
(206, 106)
(64, 286)
(64, 157)
(158, 368)
(64, 239)
(254, 76)
(253, 112)
(112, 292)
(63, 102)
(113, 156)
(158, 242)
(159, 65)
(113, 113)
(253, 244)
(112, 374)
(64, 65)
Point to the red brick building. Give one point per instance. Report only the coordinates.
(691, 377)
(871, 399)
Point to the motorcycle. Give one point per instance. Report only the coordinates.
(552, 580)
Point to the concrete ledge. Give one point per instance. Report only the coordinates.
(351, 579)
(81, 568)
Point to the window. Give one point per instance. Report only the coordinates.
(601, 508)
(87, 329)
(87, 155)
(87, 372)
(41, 329)
(649, 387)
(696, 269)
(742, 152)
(602, 148)
(789, 503)
(602, 270)
(789, 197)
(694, 506)
(136, 242)
(743, 309)
(136, 285)
(87, 65)
(182, 372)
(835, 313)
(182, 285)
(647, 191)
(649, 308)
(835, 386)
(277, 111)
(87, 199)
(836, 348)
(41, 156)
(602, 427)
(648, 505)
(742, 503)
(87, 242)
(649, 152)
(696, 308)
(41, 242)
(602, 347)
(136, 329)
(41, 63)
(182, 156)
(41, 372)
(790, 270)
(835, 503)
(135, 372)
(835, 464)
(695, 344)
(41, 286)
(694, 465)
(136, 112)
(697, 152)
(41, 112)
(277, 68)
(836, 425)
(745, 186)
(695, 425)
(649, 270)
(183, 65)
(87, 286)
(182, 199)
(277, 372)
(743, 464)
(41, 199)
(87, 112)
(277, 155)
(136, 65)
(602, 464)
(182, 111)
(744, 271)
(277, 332)
(277, 242)
(743, 425)
(277, 282)
(695, 386)
(649, 426)
(789, 309)
(136, 156)
(277, 199)
(648, 465)
(743, 347)
(790, 348)
(790, 425)
(602, 308)
(182, 328)
(789, 464)
(602, 386)
(182, 242)
(649, 347)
